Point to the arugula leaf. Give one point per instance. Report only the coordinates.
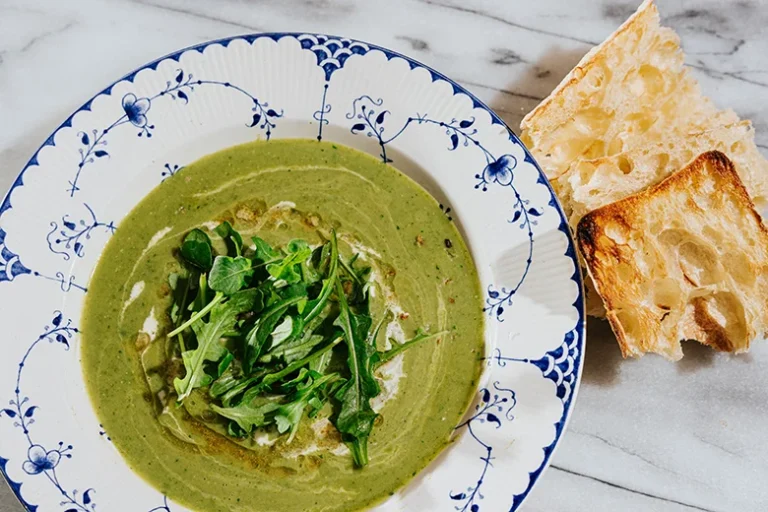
(222, 320)
(232, 238)
(224, 383)
(198, 315)
(201, 299)
(315, 405)
(181, 287)
(374, 335)
(320, 364)
(315, 307)
(272, 378)
(355, 420)
(283, 331)
(229, 390)
(304, 378)
(284, 270)
(288, 416)
(224, 363)
(269, 379)
(196, 249)
(300, 344)
(309, 274)
(261, 331)
(228, 275)
(293, 351)
(248, 415)
(264, 251)
(382, 357)
(290, 329)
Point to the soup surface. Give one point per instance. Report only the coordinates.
(281, 190)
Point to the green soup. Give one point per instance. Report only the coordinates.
(282, 190)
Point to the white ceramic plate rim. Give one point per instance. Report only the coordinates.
(457, 90)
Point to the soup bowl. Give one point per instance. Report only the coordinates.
(147, 126)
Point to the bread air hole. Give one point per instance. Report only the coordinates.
(726, 311)
(584, 170)
(616, 233)
(638, 123)
(672, 237)
(596, 150)
(629, 324)
(597, 76)
(615, 147)
(739, 266)
(698, 263)
(659, 163)
(570, 150)
(714, 237)
(645, 81)
(625, 164)
(666, 293)
(592, 121)
(668, 49)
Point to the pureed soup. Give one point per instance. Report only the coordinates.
(422, 277)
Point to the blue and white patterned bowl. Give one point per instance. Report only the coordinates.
(122, 143)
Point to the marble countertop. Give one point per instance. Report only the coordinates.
(646, 435)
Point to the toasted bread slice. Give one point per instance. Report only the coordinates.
(626, 117)
(590, 184)
(684, 259)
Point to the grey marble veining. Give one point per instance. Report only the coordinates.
(646, 435)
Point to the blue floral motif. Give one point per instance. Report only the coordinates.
(135, 111)
(11, 267)
(500, 170)
(494, 407)
(42, 461)
(371, 122)
(370, 119)
(170, 170)
(72, 235)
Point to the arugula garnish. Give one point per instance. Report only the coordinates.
(355, 421)
(229, 275)
(222, 320)
(231, 237)
(196, 249)
(263, 328)
(286, 415)
(276, 333)
(285, 270)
